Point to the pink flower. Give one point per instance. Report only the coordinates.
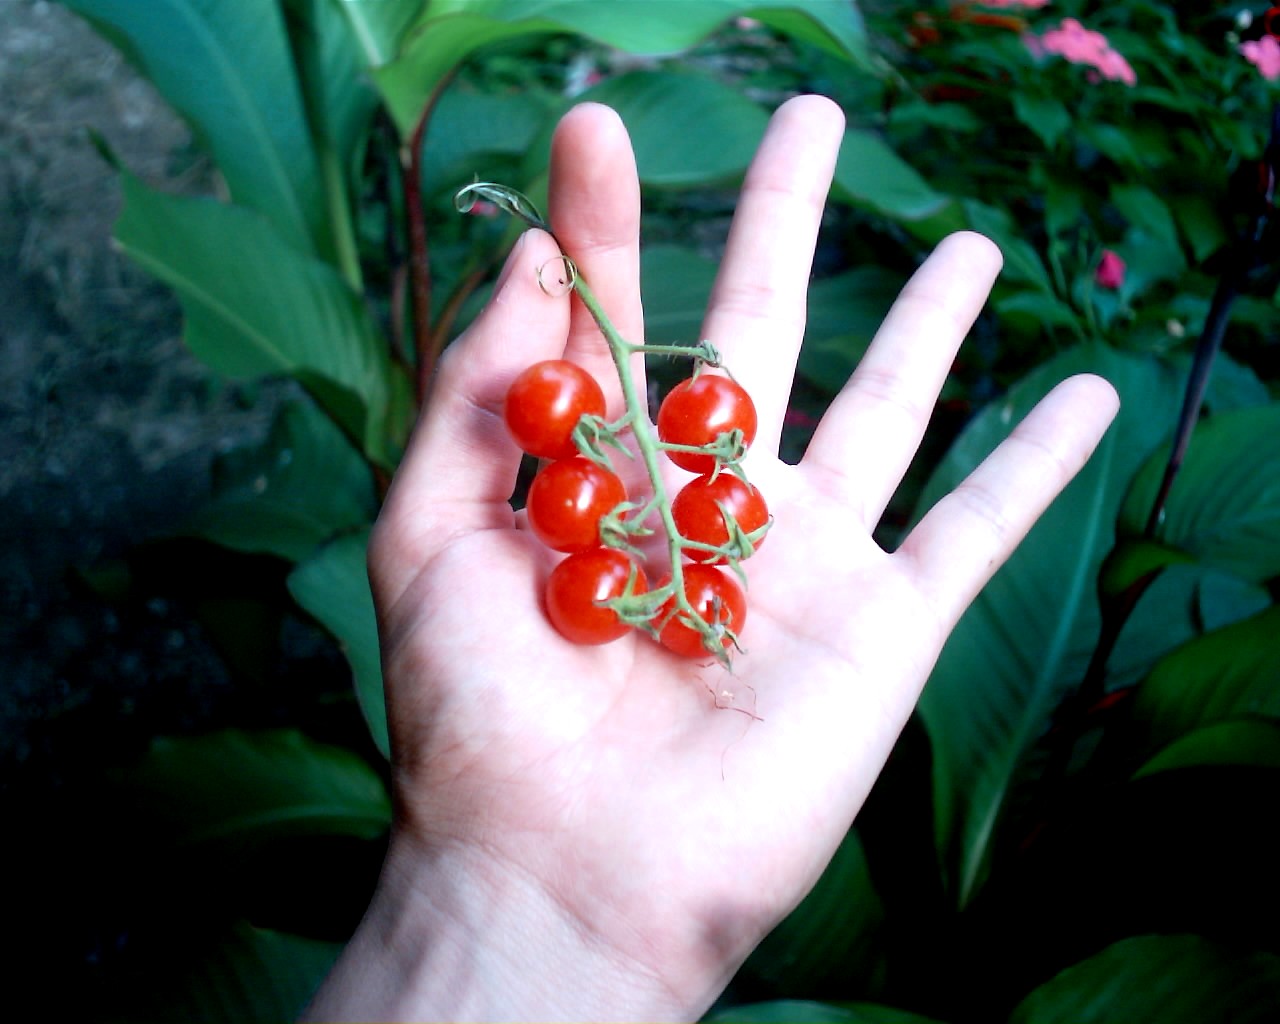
(1110, 272)
(1083, 46)
(1264, 54)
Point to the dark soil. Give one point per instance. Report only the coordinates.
(110, 634)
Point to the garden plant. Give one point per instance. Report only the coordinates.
(1078, 825)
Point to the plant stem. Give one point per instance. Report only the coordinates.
(419, 264)
(621, 350)
(340, 221)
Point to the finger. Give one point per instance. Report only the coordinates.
(756, 314)
(460, 467)
(594, 207)
(970, 533)
(868, 436)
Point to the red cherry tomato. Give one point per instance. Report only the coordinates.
(544, 404)
(699, 410)
(566, 501)
(698, 516)
(717, 598)
(579, 583)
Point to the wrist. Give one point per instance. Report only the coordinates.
(451, 936)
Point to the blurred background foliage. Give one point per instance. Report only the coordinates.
(1071, 828)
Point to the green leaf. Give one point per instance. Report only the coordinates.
(290, 495)
(831, 938)
(1028, 636)
(790, 1011)
(1047, 117)
(1242, 744)
(250, 974)
(686, 129)
(227, 69)
(1160, 979)
(1144, 209)
(1201, 223)
(1224, 506)
(468, 129)
(1134, 558)
(238, 790)
(255, 305)
(333, 587)
(340, 103)
(1021, 261)
(448, 31)
(869, 173)
(676, 283)
(379, 26)
(845, 312)
(1043, 308)
(1227, 674)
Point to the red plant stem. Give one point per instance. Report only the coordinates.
(419, 264)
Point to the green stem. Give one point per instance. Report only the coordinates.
(621, 350)
(342, 230)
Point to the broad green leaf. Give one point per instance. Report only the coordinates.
(844, 314)
(1047, 117)
(237, 789)
(1146, 210)
(686, 129)
(1160, 979)
(844, 311)
(1132, 559)
(448, 31)
(340, 103)
(333, 587)
(831, 939)
(869, 173)
(468, 128)
(1228, 674)
(1201, 223)
(226, 67)
(798, 1011)
(379, 26)
(1028, 636)
(255, 305)
(1246, 743)
(290, 495)
(249, 974)
(1224, 506)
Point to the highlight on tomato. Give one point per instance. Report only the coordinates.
(544, 404)
(578, 586)
(697, 411)
(567, 500)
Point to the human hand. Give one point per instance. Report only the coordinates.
(580, 832)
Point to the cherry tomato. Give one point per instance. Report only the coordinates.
(714, 596)
(579, 583)
(698, 516)
(699, 410)
(566, 501)
(544, 404)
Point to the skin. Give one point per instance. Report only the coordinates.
(580, 833)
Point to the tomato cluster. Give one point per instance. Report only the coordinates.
(577, 506)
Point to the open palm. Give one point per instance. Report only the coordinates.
(596, 795)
